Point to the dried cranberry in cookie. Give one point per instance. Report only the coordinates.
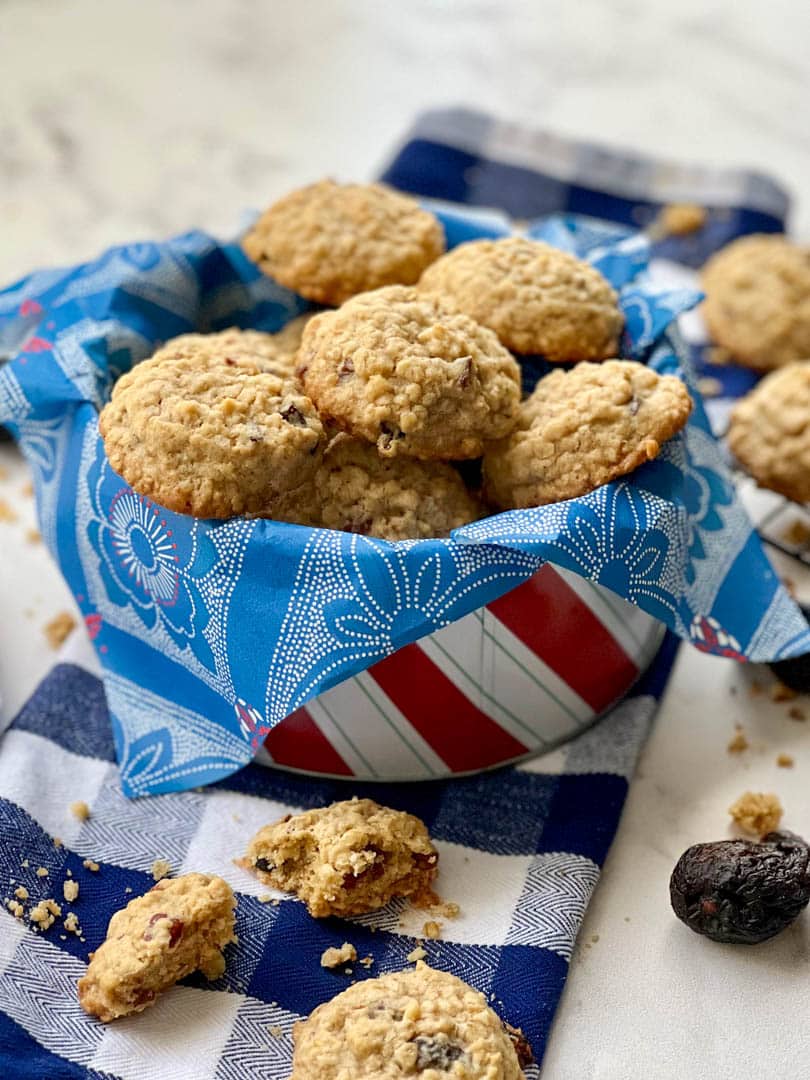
(397, 368)
(535, 297)
(345, 859)
(582, 428)
(418, 1023)
(330, 241)
(181, 925)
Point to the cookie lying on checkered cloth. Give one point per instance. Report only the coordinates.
(178, 927)
(419, 1022)
(345, 859)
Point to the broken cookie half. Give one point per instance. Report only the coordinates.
(345, 859)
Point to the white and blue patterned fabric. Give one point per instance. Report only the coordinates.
(200, 624)
(520, 850)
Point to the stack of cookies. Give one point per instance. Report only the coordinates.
(757, 311)
(356, 417)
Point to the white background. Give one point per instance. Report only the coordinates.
(124, 119)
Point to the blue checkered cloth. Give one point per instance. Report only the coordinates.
(520, 849)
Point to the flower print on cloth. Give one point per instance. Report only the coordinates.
(356, 600)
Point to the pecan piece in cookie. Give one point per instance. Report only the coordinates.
(535, 297)
(397, 368)
(202, 428)
(419, 1023)
(345, 859)
(769, 433)
(181, 925)
(330, 241)
(582, 428)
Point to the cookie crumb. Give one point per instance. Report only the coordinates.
(42, 871)
(57, 842)
(738, 742)
(678, 219)
(16, 908)
(710, 387)
(785, 761)
(276, 1030)
(88, 864)
(33, 536)
(21, 892)
(71, 923)
(797, 533)
(756, 812)
(25, 863)
(80, 810)
(432, 930)
(59, 628)
(333, 958)
(367, 961)
(161, 868)
(128, 889)
(415, 955)
(795, 713)
(780, 692)
(45, 914)
(265, 898)
(70, 889)
(7, 514)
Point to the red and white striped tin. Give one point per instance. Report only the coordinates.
(518, 677)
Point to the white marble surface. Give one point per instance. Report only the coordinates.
(138, 118)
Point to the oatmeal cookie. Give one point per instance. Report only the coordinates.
(345, 859)
(758, 301)
(769, 433)
(414, 1023)
(582, 428)
(210, 435)
(394, 498)
(179, 926)
(397, 368)
(535, 297)
(330, 241)
(274, 353)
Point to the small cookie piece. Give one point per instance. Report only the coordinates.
(415, 1023)
(330, 241)
(397, 368)
(535, 297)
(769, 431)
(345, 859)
(179, 926)
(206, 431)
(582, 428)
(758, 300)
(394, 498)
(270, 352)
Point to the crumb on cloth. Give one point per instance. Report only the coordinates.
(334, 958)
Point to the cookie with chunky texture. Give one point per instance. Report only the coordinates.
(181, 925)
(393, 498)
(582, 428)
(397, 368)
(769, 433)
(535, 297)
(758, 301)
(415, 1023)
(345, 859)
(270, 352)
(330, 241)
(210, 433)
